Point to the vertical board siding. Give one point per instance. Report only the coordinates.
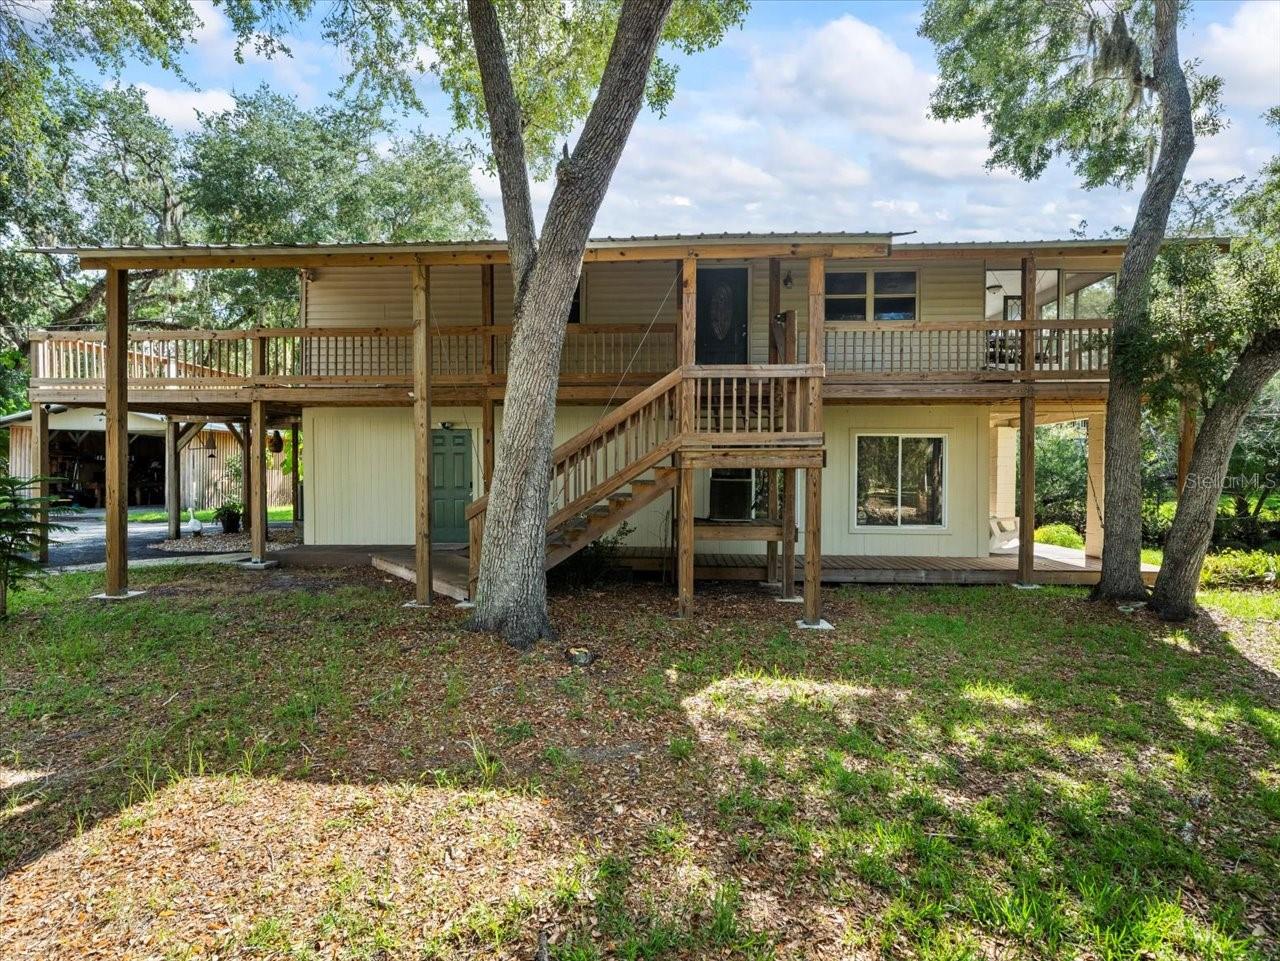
(206, 482)
(358, 471)
(19, 451)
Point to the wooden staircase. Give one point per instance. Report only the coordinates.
(740, 415)
(602, 518)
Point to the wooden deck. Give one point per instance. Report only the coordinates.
(1054, 565)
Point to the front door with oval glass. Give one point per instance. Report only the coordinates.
(450, 484)
(722, 316)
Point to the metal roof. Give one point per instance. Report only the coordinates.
(595, 243)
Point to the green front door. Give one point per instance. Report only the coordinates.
(450, 485)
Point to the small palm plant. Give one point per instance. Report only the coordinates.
(22, 527)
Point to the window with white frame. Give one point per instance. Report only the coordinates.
(899, 480)
(875, 294)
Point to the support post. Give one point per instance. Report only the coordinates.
(294, 478)
(787, 583)
(816, 343)
(684, 520)
(1186, 441)
(1027, 426)
(686, 355)
(40, 470)
(1095, 466)
(172, 478)
(422, 435)
(258, 482)
(116, 412)
(490, 370)
(246, 437)
(771, 476)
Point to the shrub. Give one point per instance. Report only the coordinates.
(1233, 568)
(1059, 535)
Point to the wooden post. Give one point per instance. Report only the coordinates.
(490, 370)
(422, 435)
(40, 470)
(787, 582)
(1186, 441)
(258, 481)
(1095, 479)
(294, 484)
(813, 475)
(686, 356)
(247, 439)
(771, 476)
(116, 411)
(1027, 426)
(684, 518)
(172, 478)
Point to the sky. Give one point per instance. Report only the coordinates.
(812, 116)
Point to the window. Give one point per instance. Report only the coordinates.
(892, 295)
(898, 480)
(732, 494)
(575, 306)
(1087, 295)
(1004, 295)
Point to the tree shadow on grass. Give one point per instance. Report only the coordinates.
(954, 771)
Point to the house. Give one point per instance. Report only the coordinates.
(741, 401)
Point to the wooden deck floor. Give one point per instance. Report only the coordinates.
(1054, 565)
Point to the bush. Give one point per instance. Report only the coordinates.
(1059, 535)
(1240, 569)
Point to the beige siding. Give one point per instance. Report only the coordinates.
(1003, 473)
(20, 451)
(358, 468)
(383, 297)
(966, 429)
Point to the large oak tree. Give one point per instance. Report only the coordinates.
(1101, 84)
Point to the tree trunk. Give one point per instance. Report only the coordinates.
(512, 589)
(1121, 577)
(1175, 593)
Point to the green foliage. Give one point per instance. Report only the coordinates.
(556, 55)
(1069, 77)
(1236, 569)
(262, 171)
(23, 525)
(1059, 535)
(230, 511)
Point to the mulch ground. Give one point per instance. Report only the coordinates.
(331, 776)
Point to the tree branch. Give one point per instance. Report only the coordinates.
(506, 136)
(582, 180)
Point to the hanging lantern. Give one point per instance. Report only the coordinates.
(275, 442)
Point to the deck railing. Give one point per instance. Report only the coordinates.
(965, 351)
(855, 352)
(336, 356)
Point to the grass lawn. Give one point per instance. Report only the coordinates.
(147, 516)
(290, 765)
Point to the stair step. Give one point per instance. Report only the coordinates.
(620, 497)
(599, 510)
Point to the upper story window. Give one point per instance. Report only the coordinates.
(575, 306)
(874, 294)
(1065, 295)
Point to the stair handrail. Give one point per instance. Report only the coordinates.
(605, 424)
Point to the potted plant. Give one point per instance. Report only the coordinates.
(228, 515)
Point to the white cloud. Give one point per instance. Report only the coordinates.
(178, 106)
(1246, 54)
(850, 75)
